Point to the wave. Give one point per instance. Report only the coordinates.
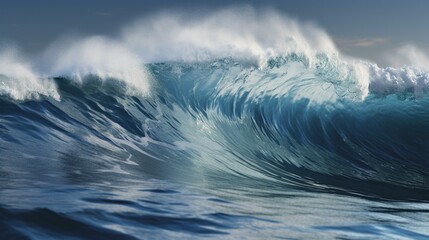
(267, 131)
(273, 100)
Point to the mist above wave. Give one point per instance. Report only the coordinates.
(239, 33)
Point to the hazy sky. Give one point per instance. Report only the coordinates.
(364, 28)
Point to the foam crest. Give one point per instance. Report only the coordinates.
(19, 82)
(405, 80)
(241, 34)
(100, 56)
(256, 37)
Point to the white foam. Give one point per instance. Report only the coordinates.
(391, 80)
(243, 34)
(99, 56)
(18, 80)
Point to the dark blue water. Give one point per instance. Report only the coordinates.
(216, 150)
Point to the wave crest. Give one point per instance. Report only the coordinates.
(18, 80)
(283, 50)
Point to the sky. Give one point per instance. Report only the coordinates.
(367, 29)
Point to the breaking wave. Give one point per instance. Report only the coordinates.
(272, 100)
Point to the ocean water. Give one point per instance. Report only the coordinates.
(301, 144)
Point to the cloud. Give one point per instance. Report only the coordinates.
(360, 42)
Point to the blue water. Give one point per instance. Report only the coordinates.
(219, 149)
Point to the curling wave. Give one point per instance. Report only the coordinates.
(211, 97)
(287, 122)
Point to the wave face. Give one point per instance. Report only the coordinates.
(218, 145)
(289, 117)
